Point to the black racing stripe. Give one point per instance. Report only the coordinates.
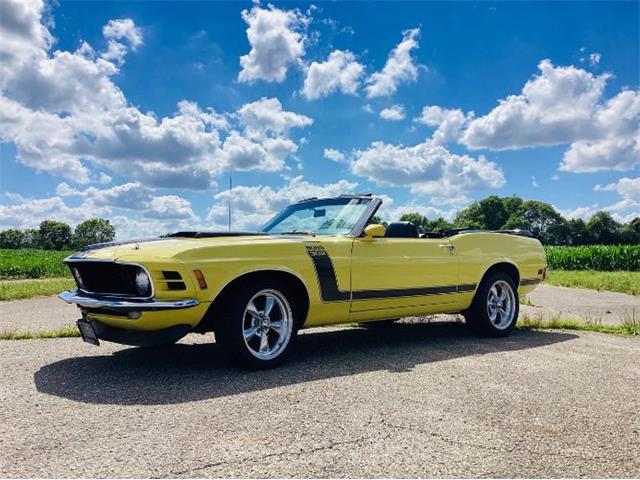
(403, 292)
(329, 291)
(467, 287)
(530, 281)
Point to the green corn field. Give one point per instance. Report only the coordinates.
(33, 263)
(594, 257)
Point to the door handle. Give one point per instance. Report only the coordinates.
(446, 245)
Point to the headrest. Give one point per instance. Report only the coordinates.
(401, 230)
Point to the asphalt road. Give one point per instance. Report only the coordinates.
(608, 308)
(412, 400)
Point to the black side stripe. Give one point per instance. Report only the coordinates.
(530, 281)
(329, 291)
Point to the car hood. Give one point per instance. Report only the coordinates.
(171, 247)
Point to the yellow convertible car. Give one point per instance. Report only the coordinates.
(318, 262)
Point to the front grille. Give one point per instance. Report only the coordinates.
(109, 278)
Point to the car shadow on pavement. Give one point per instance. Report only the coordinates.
(191, 372)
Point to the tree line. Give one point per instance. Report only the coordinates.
(53, 235)
(544, 221)
(491, 213)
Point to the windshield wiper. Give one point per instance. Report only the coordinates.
(298, 232)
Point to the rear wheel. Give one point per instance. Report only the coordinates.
(495, 307)
(258, 325)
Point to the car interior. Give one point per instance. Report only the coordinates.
(408, 230)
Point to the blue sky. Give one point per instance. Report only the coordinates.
(138, 111)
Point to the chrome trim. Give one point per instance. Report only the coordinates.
(367, 215)
(71, 296)
(70, 259)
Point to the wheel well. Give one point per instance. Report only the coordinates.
(300, 294)
(504, 267)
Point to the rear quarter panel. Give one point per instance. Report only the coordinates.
(477, 252)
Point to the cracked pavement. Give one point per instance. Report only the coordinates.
(408, 401)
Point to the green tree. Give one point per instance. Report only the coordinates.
(512, 204)
(627, 235)
(579, 233)
(635, 224)
(559, 233)
(437, 225)
(603, 228)
(12, 238)
(31, 238)
(418, 220)
(470, 217)
(54, 235)
(94, 230)
(539, 217)
(491, 213)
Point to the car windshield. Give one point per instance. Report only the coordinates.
(332, 216)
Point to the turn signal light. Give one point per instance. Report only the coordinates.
(201, 280)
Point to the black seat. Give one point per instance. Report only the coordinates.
(401, 230)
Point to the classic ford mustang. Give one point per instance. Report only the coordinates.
(317, 262)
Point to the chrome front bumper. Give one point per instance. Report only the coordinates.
(70, 296)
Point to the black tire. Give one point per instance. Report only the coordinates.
(378, 323)
(485, 316)
(234, 321)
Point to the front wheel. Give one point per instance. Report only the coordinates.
(495, 307)
(258, 326)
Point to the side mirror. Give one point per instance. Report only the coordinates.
(374, 230)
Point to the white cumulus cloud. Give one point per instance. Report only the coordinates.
(399, 68)
(340, 72)
(277, 39)
(564, 105)
(117, 32)
(427, 169)
(628, 188)
(333, 154)
(65, 115)
(449, 123)
(394, 113)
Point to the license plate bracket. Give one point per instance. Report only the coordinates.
(87, 332)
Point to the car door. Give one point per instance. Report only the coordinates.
(395, 273)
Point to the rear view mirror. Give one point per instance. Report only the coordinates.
(374, 230)
(321, 212)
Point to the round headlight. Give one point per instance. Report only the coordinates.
(143, 284)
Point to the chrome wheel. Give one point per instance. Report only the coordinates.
(501, 305)
(267, 324)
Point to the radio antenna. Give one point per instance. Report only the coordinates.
(230, 190)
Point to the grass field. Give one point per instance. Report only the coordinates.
(32, 263)
(22, 289)
(59, 333)
(625, 282)
(629, 326)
